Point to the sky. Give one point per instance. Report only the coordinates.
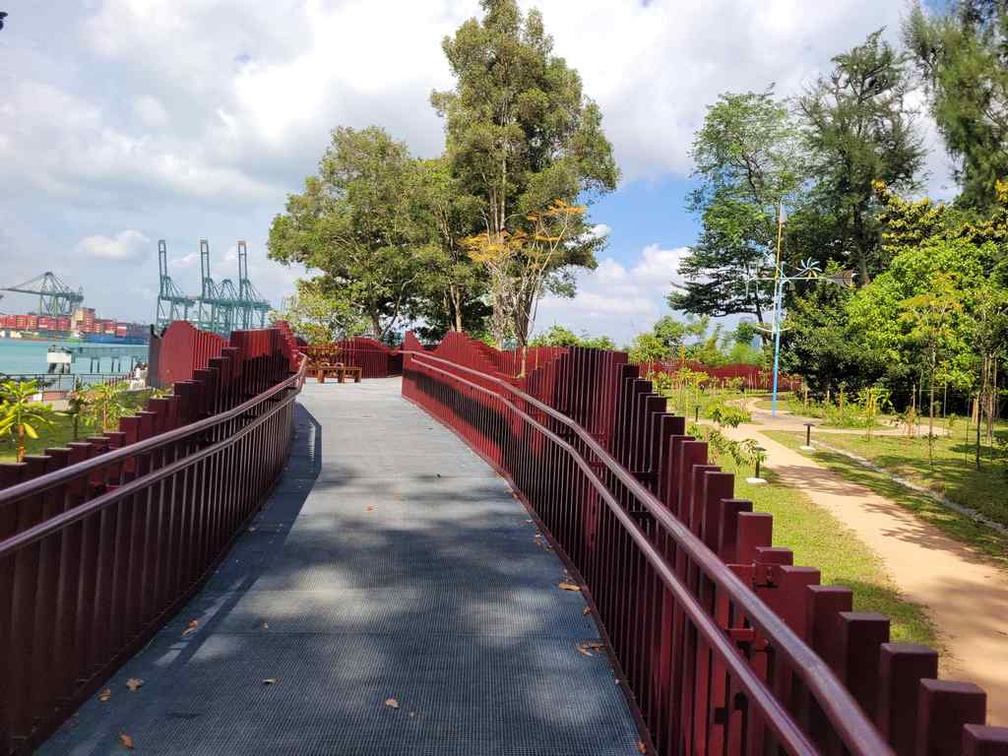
(127, 121)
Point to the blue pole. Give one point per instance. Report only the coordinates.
(776, 354)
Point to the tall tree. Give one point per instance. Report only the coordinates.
(964, 58)
(859, 131)
(357, 223)
(748, 160)
(521, 134)
(455, 284)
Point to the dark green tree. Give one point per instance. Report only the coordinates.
(454, 286)
(963, 56)
(860, 131)
(748, 159)
(520, 134)
(358, 223)
(822, 346)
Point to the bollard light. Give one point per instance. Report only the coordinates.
(756, 479)
(808, 438)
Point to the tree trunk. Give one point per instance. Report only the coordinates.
(20, 444)
(862, 249)
(931, 418)
(455, 294)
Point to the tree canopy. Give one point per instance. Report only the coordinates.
(963, 56)
(520, 136)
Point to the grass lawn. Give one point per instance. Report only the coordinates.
(818, 539)
(57, 434)
(959, 526)
(953, 474)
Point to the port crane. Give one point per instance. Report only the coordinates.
(254, 308)
(173, 303)
(220, 307)
(56, 299)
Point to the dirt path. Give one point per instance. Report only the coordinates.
(788, 421)
(965, 594)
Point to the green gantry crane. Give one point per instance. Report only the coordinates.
(56, 299)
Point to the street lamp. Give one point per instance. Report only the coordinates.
(806, 270)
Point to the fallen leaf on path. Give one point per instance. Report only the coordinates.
(586, 610)
(133, 683)
(590, 648)
(193, 624)
(641, 748)
(265, 625)
(392, 703)
(105, 695)
(370, 507)
(126, 740)
(568, 586)
(541, 543)
(270, 681)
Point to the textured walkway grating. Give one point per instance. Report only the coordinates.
(390, 562)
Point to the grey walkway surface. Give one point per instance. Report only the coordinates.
(391, 562)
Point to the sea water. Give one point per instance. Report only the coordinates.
(21, 357)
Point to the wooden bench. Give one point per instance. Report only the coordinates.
(341, 372)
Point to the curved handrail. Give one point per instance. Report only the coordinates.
(68, 473)
(69, 517)
(853, 726)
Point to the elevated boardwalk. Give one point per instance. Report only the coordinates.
(390, 562)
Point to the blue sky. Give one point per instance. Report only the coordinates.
(126, 121)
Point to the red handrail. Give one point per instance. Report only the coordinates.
(843, 712)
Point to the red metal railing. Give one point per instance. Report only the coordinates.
(102, 541)
(376, 360)
(723, 644)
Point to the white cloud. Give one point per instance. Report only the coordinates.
(186, 261)
(150, 111)
(126, 245)
(616, 300)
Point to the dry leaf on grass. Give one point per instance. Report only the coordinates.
(568, 586)
(126, 740)
(193, 624)
(105, 695)
(270, 681)
(133, 683)
(392, 703)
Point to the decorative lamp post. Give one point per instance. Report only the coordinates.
(806, 270)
